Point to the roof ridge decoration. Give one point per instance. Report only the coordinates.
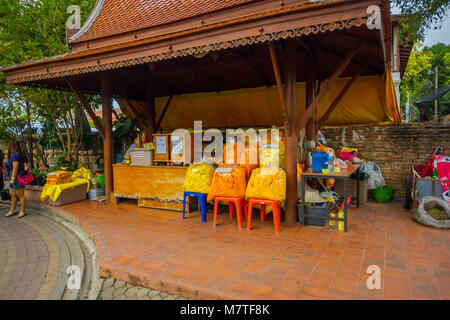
(172, 54)
(90, 21)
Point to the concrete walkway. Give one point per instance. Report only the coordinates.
(34, 255)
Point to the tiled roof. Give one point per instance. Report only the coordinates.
(120, 16)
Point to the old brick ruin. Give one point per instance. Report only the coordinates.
(395, 148)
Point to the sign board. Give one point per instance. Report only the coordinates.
(161, 145)
(177, 145)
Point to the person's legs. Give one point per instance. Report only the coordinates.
(13, 194)
(23, 202)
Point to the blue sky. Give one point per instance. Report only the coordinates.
(442, 35)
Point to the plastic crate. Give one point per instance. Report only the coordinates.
(321, 211)
(351, 190)
(95, 193)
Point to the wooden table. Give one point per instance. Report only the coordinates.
(344, 174)
(157, 187)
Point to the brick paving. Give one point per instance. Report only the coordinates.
(157, 249)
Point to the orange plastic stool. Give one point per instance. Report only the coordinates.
(263, 202)
(232, 202)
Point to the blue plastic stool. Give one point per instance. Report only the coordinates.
(201, 197)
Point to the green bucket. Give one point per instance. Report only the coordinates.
(383, 194)
(101, 181)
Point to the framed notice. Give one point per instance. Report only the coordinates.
(161, 144)
(177, 145)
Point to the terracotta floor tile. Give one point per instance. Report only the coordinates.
(159, 248)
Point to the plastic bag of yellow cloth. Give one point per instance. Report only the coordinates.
(272, 155)
(198, 178)
(249, 159)
(228, 181)
(267, 183)
(83, 173)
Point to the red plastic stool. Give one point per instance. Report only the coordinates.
(232, 202)
(263, 202)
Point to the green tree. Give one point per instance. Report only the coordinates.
(421, 16)
(31, 30)
(419, 78)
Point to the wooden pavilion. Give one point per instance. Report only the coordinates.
(164, 58)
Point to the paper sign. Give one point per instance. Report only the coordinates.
(223, 170)
(177, 145)
(161, 145)
(139, 154)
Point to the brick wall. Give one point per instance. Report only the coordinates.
(394, 147)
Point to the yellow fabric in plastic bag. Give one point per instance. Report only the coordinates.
(228, 181)
(54, 191)
(272, 154)
(83, 173)
(347, 149)
(267, 183)
(198, 178)
(300, 169)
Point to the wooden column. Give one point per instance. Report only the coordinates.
(290, 74)
(151, 127)
(311, 127)
(108, 140)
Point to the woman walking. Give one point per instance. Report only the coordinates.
(16, 165)
(2, 172)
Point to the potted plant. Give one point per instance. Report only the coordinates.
(40, 177)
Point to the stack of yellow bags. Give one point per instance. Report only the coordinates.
(59, 177)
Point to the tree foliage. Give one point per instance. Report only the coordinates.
(421, 16)
(419, 77)
(31, 30)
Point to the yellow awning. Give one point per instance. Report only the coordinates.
(370, 100)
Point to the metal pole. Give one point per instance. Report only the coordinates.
(435, 91)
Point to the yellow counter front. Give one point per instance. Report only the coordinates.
(158, 187)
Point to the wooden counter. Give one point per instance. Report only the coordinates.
(155, 187)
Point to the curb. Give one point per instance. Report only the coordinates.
(95, 283)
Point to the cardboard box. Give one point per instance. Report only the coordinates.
(142, 157)
(74, 194)
(351, 189)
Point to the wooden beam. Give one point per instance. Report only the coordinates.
(340, 96)
(150, 109)
(73, 85)
(360, 61)
(277, 72)
(310, 88)
(161, 117)
(304, 45)
(291, 137)
(108, 152)
(313, 106)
